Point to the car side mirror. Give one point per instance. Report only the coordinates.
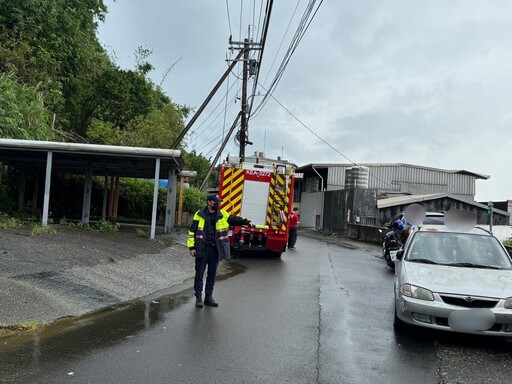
(400, 254)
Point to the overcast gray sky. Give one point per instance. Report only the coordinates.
(424, 82)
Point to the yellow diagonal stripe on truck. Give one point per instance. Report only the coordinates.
(232, 190)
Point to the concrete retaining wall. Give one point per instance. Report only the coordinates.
(366, 233)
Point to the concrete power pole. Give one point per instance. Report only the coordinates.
(243, 122)
(246, 46)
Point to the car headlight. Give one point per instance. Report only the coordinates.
(415, 292)
(508, 303)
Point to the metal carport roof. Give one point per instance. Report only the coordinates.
(72, 158)
(94, 159)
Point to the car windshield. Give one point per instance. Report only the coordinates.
(458, 249)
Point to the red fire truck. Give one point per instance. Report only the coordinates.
(262, 192)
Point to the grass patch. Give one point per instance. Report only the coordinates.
(21, 327)
(7, 221)
(508, 242)
(143, 233)
(103, 226)
(74, 224)
(106, 226)
(39, 229)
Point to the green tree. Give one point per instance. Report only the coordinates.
(22, 113)
(200, 164)
(51, 43)
(193, 200)
(158, 129)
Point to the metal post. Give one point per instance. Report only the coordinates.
(180, 200)
(48, 179)
(169, 212)
(155, 198)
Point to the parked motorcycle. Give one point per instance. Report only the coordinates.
(392, 243)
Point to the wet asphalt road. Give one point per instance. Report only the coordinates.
(321, 314)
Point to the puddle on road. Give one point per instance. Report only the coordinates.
(23, 355)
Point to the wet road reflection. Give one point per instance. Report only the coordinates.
(299, 319)
(23, 355)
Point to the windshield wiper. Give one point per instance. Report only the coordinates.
(424, 261)
(472, 265)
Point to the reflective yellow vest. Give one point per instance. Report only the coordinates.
(196, 235)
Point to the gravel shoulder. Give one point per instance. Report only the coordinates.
(74, 271)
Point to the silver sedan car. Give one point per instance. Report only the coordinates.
(457, 281)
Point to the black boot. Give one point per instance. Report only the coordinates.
(208, 300)
(199, 301)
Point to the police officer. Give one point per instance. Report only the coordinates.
(208, 242)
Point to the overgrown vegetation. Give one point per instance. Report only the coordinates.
(7, 221)
(39, 229)
(143, 233)
(193, 200)
(58, 83)
(106, 226)
(54, 72)
(508, 242)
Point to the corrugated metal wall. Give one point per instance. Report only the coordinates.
(407, 179)
(445, 204)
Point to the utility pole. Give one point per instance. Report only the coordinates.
(243, 122)
(245, 47)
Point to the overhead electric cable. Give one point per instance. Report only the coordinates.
(310, 130)
(259, 19)
(264, 33)
(295, 41)
(229, 18)
(241, 13)
(214, 109)
(282, 41)
(299, 34)
(334, 149)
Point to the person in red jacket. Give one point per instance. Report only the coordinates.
(294, 219)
